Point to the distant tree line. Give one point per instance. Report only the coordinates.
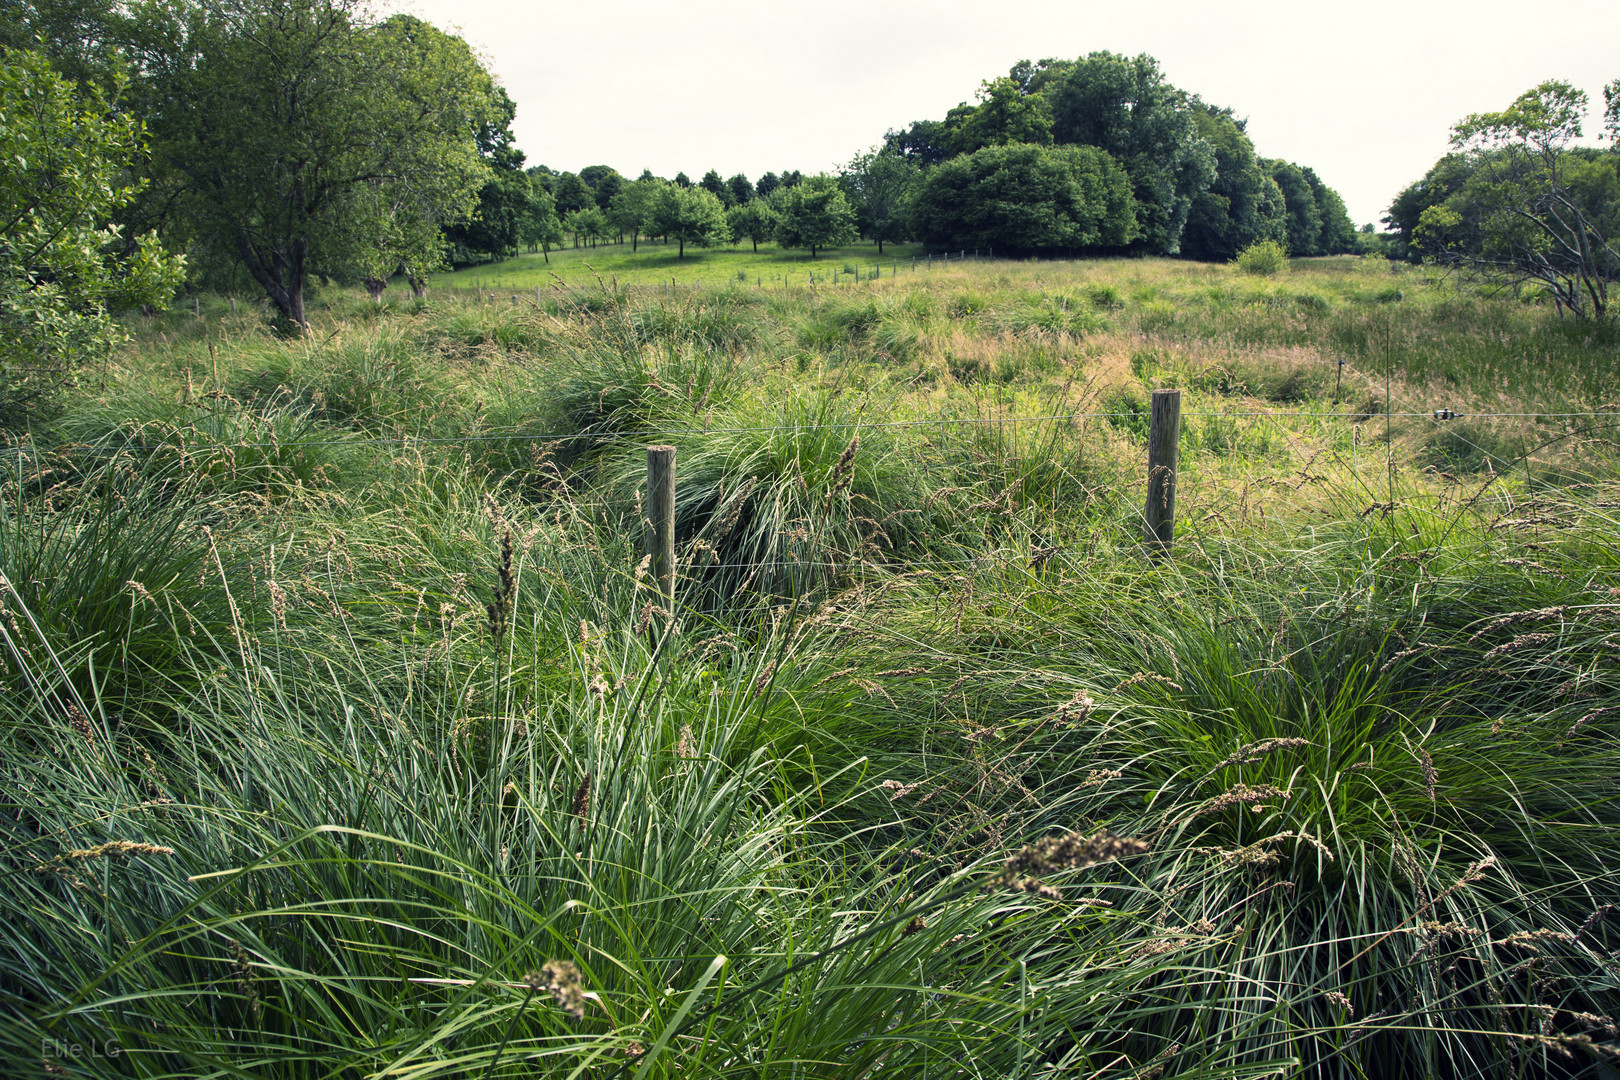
(1101, 153)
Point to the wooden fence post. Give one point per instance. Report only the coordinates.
(1164, 434)
(661, 520)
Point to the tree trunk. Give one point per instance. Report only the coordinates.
(682, 253)
(375, 287)
(880, 247)
(282, 279)
(756, 247)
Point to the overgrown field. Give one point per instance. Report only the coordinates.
(345, 736)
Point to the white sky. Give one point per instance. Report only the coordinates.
(1365, 93)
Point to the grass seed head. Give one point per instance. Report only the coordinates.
(561, 979)
(1072, 851)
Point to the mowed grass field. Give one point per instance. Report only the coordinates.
(345, 734)
(654, 262)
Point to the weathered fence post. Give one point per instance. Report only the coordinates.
(1164, 433)
(661, 520)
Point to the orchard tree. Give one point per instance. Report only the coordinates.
(689, 215)
(754, 220)
(540, 228)
(815, 214)
(285, 132)
(767, 184)
(64, 172)
(1026, 199)
(741, 190)
(879, 184)
(632, 208)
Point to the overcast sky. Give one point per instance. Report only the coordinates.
(1365, 92)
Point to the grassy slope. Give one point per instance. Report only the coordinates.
(1362, 721)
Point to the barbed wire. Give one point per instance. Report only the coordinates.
(296, 443)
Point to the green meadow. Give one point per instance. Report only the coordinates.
(346, 735)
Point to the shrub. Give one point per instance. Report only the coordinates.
(1264, 258)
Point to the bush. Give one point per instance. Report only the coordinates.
(1264, 258)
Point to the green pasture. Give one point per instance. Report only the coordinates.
(657, 262)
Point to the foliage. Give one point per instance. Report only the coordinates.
(754, 221)
(880, 183)
(295, 137)
(688, 215)
(814, 214)
(1533, 208)
(1242, 205)
(1021, 198)
(64, 172)
(1263, 258)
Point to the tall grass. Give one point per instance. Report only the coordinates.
(341, 733)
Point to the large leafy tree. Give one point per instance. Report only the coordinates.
(879, 183)
(64, 171)
(1123, 105)
(1022, 198)
(814, 214)
(1534, 208)
(1243, 205)
(299, 137)
(1304, 217)
(1005, 114)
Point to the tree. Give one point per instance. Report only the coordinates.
(741, 190)
(295, 136)
(1023, 198)
(1534, 208)
(767, 184)
(814, 214)
(572, 193)
(689, 215)
(717, 187)
(540, 227)
(879, 184)
(64, 171)
(1124, 105)
(1303, 217)
(1243, 205)
(496, 227)
(1337, 235)
(588, 225)
(1006, 115)
(682, 180)
(753, 220)
(632, 209)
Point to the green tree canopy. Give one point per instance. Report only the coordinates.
(64, 171)
(1005, 114)
(1123, 105)
(1303, 218)
(1021, 198)
(814, 214)
(1242, 206)
(1533, 208)
(296, 136)
(689, 215)
(754, 220)
(879, 184)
